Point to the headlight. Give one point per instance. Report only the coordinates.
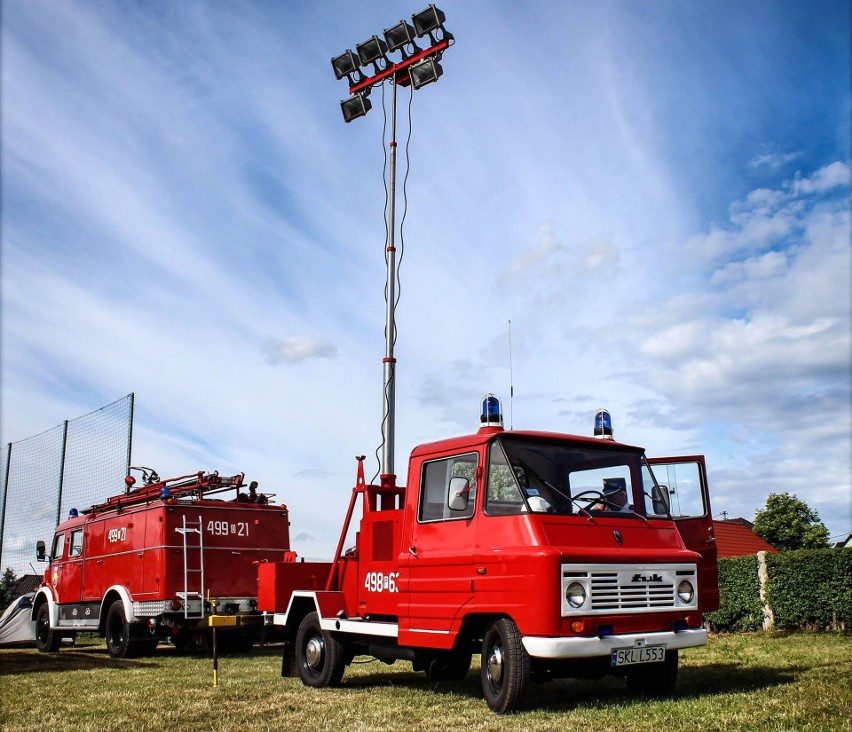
(685, 591)
(575, 594)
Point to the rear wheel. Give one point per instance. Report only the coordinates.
(47, 639)
(654, 679)
(320, 658)
(505, 666)
(119, 641)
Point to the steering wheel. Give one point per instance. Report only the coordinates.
(598, 497)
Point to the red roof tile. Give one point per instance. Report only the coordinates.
(735, 539)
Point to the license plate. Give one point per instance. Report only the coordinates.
(630, 656)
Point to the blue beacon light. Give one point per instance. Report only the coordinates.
(492, 414)
(603, 425)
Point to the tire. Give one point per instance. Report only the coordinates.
(118, 633)
(505, 666)
(47, 639)
(654, 679)
(451, 666)
(320, 658)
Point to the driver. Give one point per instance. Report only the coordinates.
(615, 493)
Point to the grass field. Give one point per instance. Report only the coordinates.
(753, 682)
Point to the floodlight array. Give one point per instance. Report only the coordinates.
(417, 66)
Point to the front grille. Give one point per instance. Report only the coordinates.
(622, 589)
(609, 594)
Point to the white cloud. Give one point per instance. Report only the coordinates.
(825, 179)
(773, 162)
(294, 349)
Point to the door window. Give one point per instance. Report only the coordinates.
(58, 546)
(439, 488)
(75, 549)
(679, 486)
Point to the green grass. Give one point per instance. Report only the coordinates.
(753, 682)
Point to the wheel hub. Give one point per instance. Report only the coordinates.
(495, 664)
(313, 652)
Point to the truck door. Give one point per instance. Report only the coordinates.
(72, 579)
(683, 481)
(94, 562)
(440, 556)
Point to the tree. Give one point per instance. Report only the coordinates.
(789, 523)
(7, 587)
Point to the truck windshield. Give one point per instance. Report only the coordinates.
(527, 474)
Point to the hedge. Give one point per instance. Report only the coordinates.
(811, 589)
(807, 589)
(739, 589)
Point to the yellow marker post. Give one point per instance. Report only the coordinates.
(213, 604)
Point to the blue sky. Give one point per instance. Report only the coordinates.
(656, 194)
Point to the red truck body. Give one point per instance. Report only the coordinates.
(157, 561)
(502, 543)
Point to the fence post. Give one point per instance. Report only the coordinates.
(61, 472)
(763, 576)
(5, 493)
(130, 433)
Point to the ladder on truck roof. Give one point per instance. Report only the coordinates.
(193, 572)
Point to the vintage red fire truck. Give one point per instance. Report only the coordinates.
(520, 546)
(159, 561)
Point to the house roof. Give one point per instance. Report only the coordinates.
(734, 538)
(26, 583)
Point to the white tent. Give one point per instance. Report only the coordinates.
(16, 628)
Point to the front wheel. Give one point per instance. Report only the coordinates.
(320, 657)
(505, 666)
(654, 679)
(46, 638)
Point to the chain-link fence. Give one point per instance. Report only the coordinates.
(74, 465)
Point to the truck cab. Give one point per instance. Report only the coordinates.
(509, 543)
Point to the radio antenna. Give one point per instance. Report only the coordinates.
(511, 380)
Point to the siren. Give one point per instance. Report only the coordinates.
(165, 493)
(492, 412)
(73, 513)
(603, 425)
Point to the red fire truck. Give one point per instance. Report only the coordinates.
(159, 561)
(551, 555)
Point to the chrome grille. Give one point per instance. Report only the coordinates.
(625, 588)
(609, 594)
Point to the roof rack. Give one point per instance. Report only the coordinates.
(194, 485)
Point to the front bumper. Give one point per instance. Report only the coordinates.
(582, 647)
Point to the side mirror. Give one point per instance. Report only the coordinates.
(40, 553)
(660, 499)
(458, 492)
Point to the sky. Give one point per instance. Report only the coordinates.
(656, 194)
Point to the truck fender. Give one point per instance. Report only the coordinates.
(44, 595)
(326, 604)
(117, 592)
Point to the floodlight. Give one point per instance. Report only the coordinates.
(356, 106)
(425, 72)
(345, 64)
(427, 21)
(371, 51)
(399, 36)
